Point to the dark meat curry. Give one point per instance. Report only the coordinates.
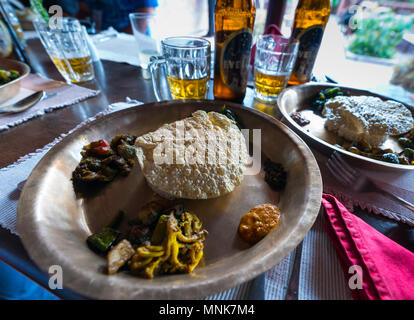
(102, 161)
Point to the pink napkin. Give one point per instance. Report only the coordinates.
(387, 269)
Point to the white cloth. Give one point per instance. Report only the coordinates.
(321, 276)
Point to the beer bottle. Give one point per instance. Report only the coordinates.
(234, 21)
(311, 17)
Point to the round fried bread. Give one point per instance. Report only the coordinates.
(200, 157)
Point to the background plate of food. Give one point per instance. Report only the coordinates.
(124, 225)
(11, 73)
(372, 130)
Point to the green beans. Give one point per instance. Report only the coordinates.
(405, 142)
(323, 96)
(160, 230)
(8, 75)
(363, 148)
(229, 114)
(102, 241)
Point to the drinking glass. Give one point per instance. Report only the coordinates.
(274, 61)
(146, 34)
(67, 46)
(183, 70)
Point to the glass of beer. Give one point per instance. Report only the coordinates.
(183, 70)
(274, 61)
(66, 44)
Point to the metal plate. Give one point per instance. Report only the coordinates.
(54, 224)
(10, 89)
(299, 98)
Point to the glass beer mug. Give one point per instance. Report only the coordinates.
(183, 70)
(67, 47)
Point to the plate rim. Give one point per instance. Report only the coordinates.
(25, 211)
(324, 85)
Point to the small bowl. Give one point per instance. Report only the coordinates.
(10, 89)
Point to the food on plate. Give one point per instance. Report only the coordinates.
(233, 117)
(105, 238)
(275, 175)
(176, 247)
(101, 241)
(366, 118)
(102, 161)
(150, 211)
(259, 222)
(200, 157)
(119, 256)
(363, 123)
(145, 221)
(407, 142)
(363, 148)
(410, 135)
(8, 75)
(299, 119)
(324, 96)
(163, 238)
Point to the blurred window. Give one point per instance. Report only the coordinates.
(190, 17)
(261, 15)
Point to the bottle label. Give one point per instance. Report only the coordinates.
(234, 60)
(309, 42)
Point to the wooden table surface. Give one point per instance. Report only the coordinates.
(116, 81)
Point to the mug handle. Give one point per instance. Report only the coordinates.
(157, 68)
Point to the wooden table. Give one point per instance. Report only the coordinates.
(116, 81)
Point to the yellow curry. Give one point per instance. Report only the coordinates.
(258, 222)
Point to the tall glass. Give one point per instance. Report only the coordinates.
(67, 46)
(274, 61)
(146, 35)
(183, 70)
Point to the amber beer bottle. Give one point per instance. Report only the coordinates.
(311, 17)
(234, 21)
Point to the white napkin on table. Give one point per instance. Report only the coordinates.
(118, 47)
